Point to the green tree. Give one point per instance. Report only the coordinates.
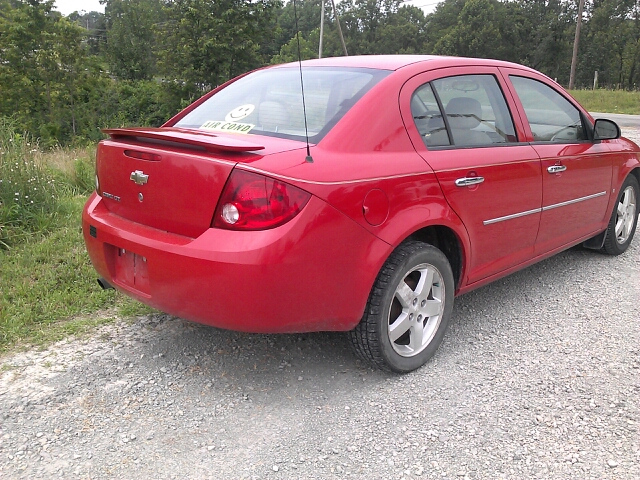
(610, 44)
(405, 32)
(308, 48)
(206, 42)
(549, 40)
(131, 37)
(369, 27)
(41, 64)
(484, 28)
(308, 18)
(96, 29)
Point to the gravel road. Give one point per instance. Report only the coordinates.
(538, 377)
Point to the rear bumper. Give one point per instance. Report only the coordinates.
(313, 273)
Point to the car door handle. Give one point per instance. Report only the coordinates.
(466, 181)
(556, 168)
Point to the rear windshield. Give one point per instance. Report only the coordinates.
(269, 102)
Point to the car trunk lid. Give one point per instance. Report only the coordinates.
(171, 179)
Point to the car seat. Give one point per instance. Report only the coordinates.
(464, 114)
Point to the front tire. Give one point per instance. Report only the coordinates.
(624, 218)
(408, 310)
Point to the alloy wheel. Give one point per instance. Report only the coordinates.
(416, 310)
(626, 215)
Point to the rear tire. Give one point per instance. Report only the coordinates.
(408, 310)
(624, 219)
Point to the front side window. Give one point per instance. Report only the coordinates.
(269, 102)
(552, 117)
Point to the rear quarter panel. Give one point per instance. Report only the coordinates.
(369, 149)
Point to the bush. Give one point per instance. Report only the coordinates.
(108, 103)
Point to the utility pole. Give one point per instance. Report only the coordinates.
(335, 12)
(321, 28)
(576, 41)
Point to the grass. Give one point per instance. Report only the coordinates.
(609, 101)
(49, 288)
(29, 193)
(47, 284)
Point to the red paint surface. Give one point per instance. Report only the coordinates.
(373, 184)
(197, 138)
(375, 207)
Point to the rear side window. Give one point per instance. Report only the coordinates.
(269, 102)
(476, 113)
(552, 117)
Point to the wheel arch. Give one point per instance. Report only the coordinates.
(613, 243)
(449, 242)
(636, 172)
(629, 164)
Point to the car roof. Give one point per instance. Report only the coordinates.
(396, 62)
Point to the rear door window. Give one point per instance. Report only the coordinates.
(476, 112)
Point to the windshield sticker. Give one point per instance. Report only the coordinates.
(239, 113)
(233, 127)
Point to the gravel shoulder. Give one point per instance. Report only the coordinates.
(538, 377)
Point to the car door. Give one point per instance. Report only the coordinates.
(576, 171)
(490, 178)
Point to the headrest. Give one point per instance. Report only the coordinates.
(463, 113)
(272, 115)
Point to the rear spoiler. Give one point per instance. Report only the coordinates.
(196, 138)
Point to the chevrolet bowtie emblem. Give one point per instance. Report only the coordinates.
(139, 177)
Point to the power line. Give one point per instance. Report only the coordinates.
(425, 5)
(428, 4)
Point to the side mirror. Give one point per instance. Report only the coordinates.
(606, 130)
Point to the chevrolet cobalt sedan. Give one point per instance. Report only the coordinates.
(356, 194)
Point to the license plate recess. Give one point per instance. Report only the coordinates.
(131, 270)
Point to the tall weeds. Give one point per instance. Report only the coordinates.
(32, 192)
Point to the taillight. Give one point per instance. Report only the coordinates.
(251, 201)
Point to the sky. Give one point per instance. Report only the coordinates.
(69, 6)
(427, 5)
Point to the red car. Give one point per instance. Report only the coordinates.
(364, 205)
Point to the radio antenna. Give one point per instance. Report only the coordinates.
(309, 159)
